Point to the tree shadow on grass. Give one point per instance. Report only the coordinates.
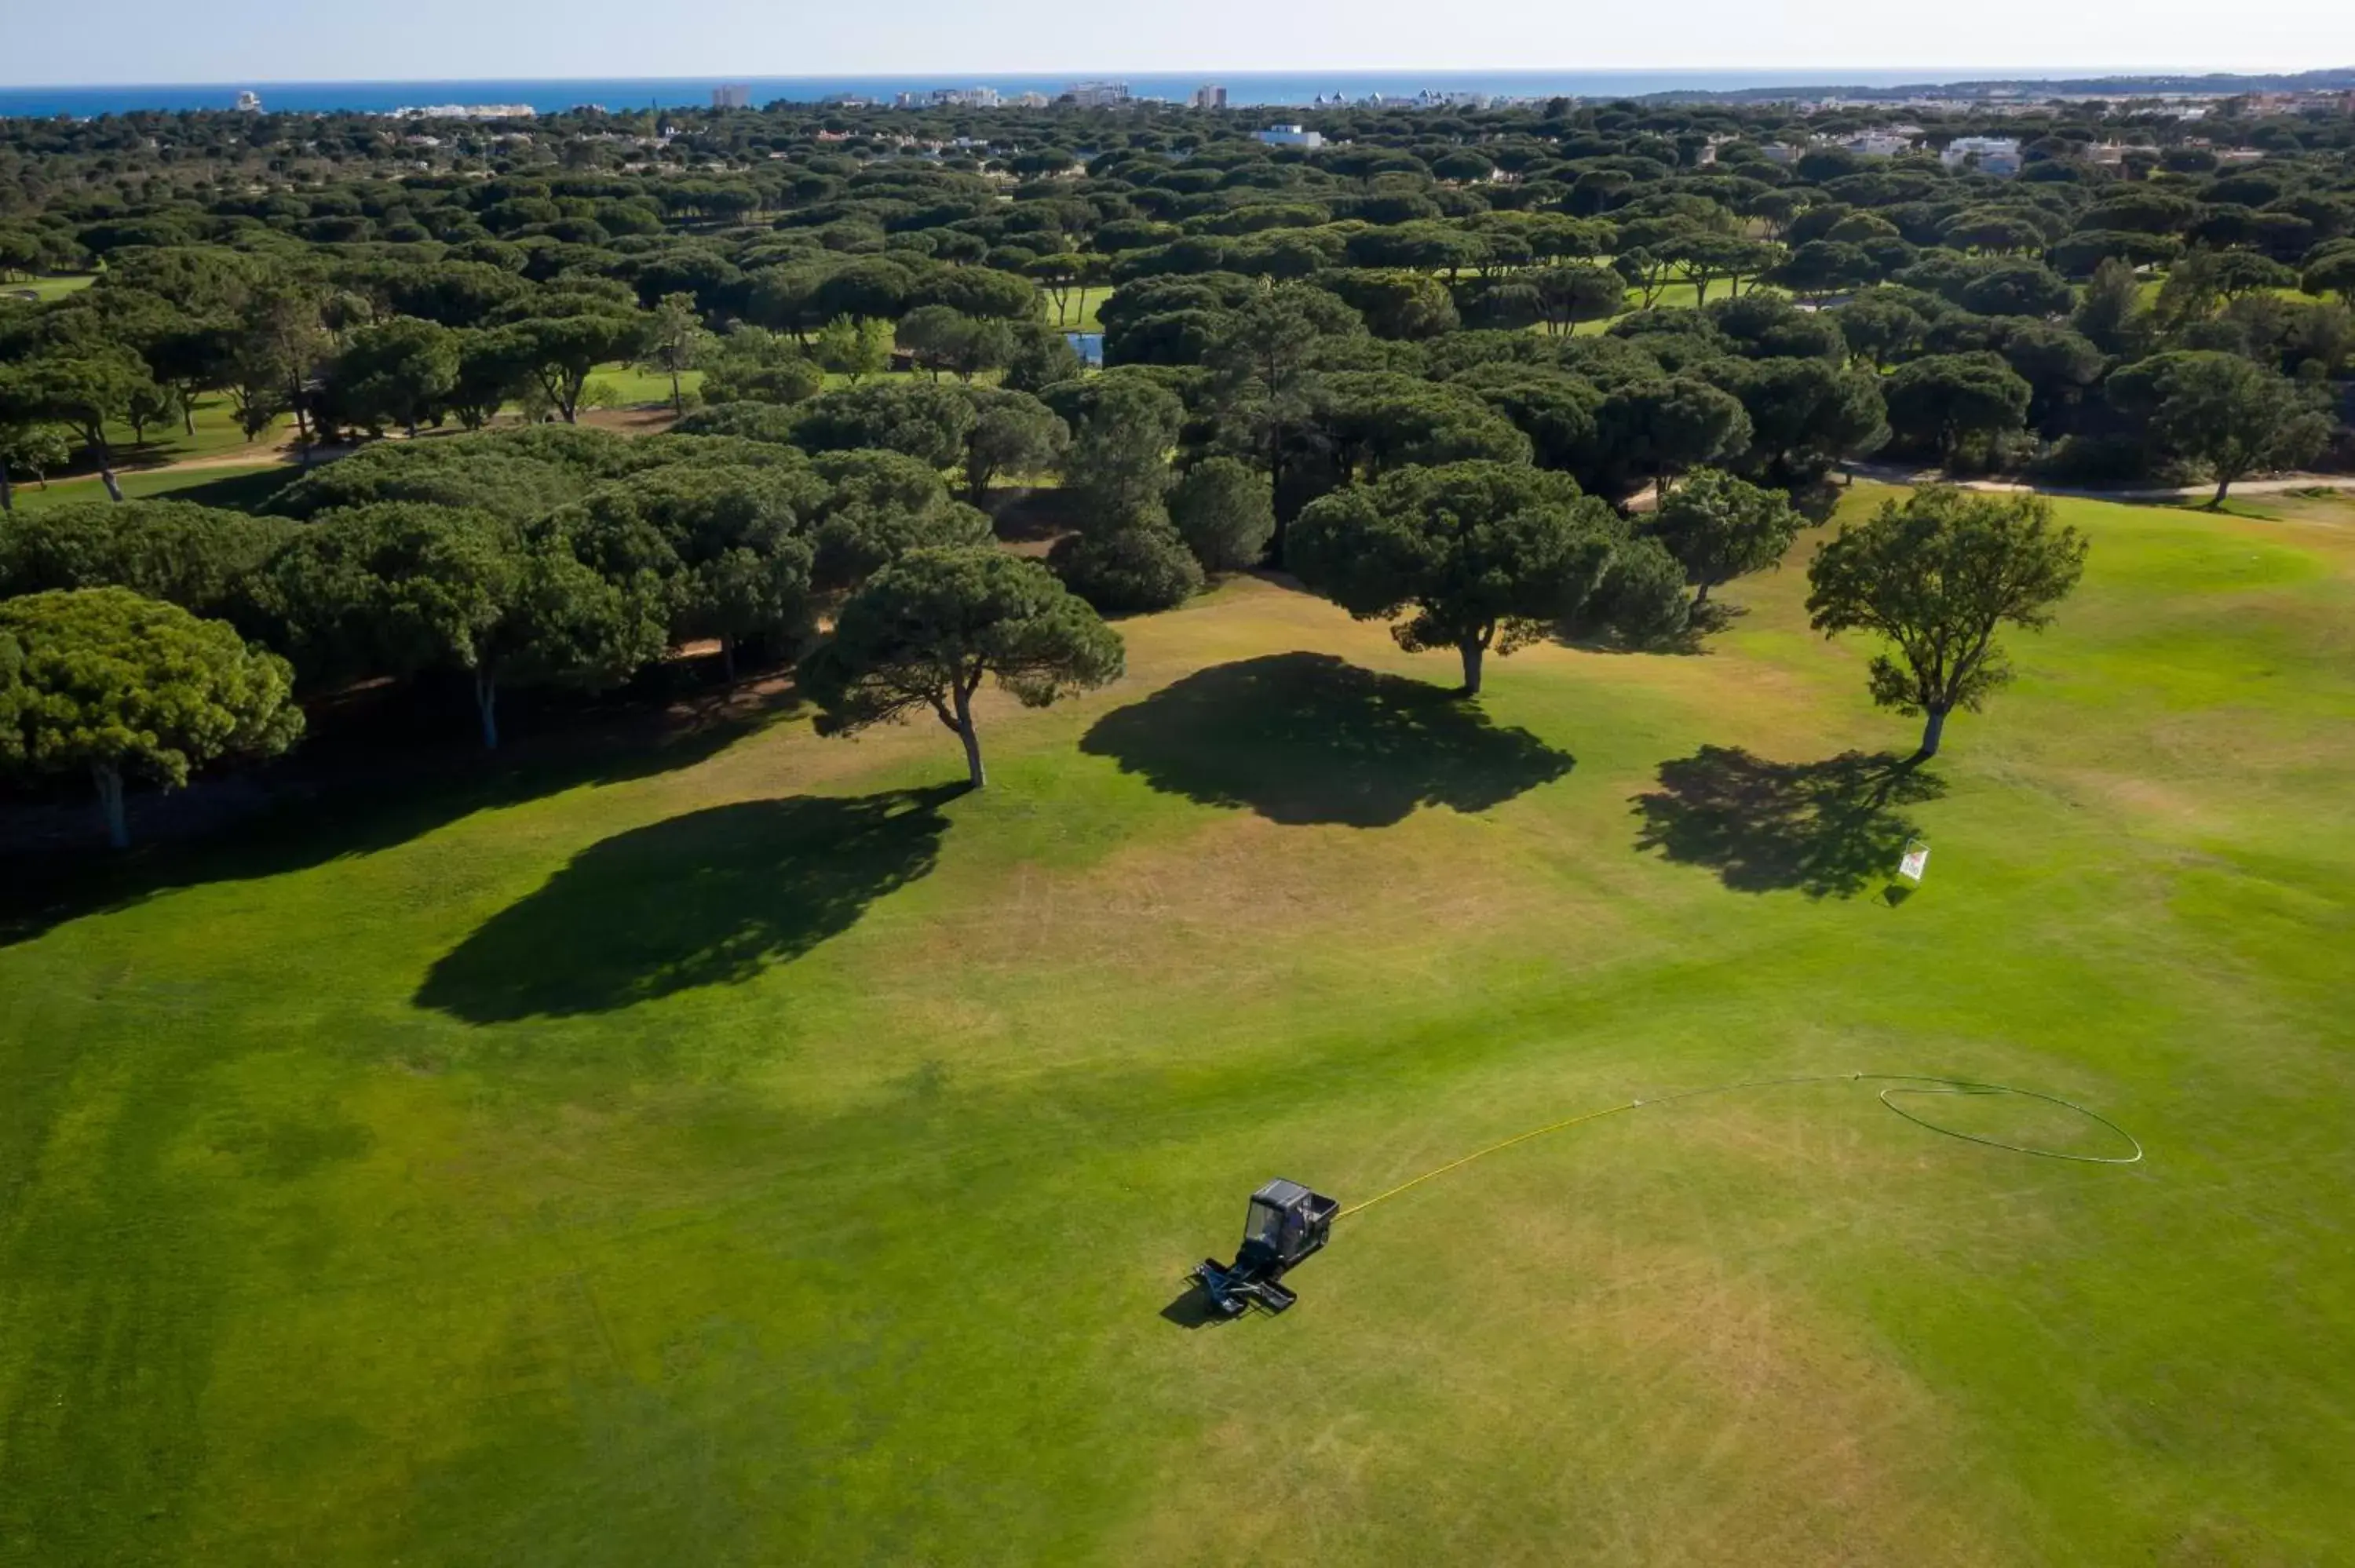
(1826, 828)
(713, 897)
(1307, 737)
(361, 785)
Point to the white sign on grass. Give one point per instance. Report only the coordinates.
(1916, 862)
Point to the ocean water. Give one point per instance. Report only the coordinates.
(1243, 89)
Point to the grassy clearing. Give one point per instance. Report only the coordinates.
(1079, 308)
(713, 1151)
(630, 387)
(47, 289)
(216, 435)
(216, 484)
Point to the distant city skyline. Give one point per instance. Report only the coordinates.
(252, 42)
(1277, 91)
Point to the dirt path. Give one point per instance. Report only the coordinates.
(1893, 474)
(654, 419)
(651, 419)
(259, 454)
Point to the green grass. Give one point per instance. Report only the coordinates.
(711, 1153)
(1082, 310)
(1079, 308)
(630, 387)
(1673, 297)
(216, 435)
(217, 485)
(49, 288)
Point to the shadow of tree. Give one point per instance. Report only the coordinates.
(1826, 828)
(357, 794)
(1308, 737)
(713, 897)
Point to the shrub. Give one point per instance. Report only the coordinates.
(1225, 512)
(1137, 565)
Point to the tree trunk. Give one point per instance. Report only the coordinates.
(486, 705)
(728, 659)
(189, 413)
(8, 491)
(106, 469)
(1700, 595)
(1474, 652)
(964, 727)
(2222, 485)
(110, 803)
(1930, 731)
(1275, 498)
(678, 398)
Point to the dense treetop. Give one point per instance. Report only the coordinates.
(1537, 323)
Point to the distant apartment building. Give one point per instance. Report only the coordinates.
(1290, 136)
(1885, 144)
(1209, 95)
(470, 111)
(1997, 155)
(1097, 94)
(731, 95)
(947, 98)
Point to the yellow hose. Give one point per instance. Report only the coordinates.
(1929, 1086)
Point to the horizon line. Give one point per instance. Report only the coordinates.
(1822, 76)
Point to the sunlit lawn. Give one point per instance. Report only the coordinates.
(761, 1151)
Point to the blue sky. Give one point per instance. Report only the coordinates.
(242, 41)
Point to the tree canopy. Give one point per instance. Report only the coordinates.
(1719, 528)
(105, 681)
(1472, 556)
(926, 632)
(2230, 415)
(1936, 576)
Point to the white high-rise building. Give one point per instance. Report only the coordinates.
(1988, 154)
(1098, 94)
(1290, 136)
